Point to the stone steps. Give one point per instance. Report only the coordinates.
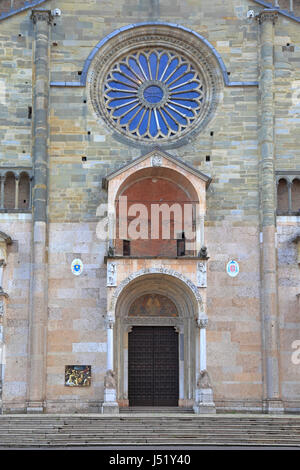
(156, 410)
(99, 430)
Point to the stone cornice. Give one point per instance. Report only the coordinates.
(267, 15)
(41, 15)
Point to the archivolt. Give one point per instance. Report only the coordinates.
(187, 286)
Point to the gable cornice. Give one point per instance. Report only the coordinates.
(280, 10)
(26, 6)
(164, 154)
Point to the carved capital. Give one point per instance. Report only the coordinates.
(267, 15)
(41, 15)
(202, 322)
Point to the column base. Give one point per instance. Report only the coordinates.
(273, 407)
(35, 407)
(204, 402)
(111, 408)
(110, 404)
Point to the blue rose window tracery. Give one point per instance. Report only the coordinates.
(153, 94)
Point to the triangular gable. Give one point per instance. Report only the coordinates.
(154, 156)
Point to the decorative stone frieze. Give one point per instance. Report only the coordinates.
(201, 275)
(111, 274)
(149, 321)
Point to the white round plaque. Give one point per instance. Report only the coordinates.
(232, 268)
(77, 267)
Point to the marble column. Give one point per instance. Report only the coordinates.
(2, 264)
(110, 404)
(204, 402)
(289, 185)
(269, 293)
(38, 320)
(2, 180)
(17, 181)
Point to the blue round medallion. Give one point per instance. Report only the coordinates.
(153, 94)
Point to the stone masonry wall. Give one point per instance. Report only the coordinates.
(16, 283)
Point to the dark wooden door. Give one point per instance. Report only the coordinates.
(153, 366)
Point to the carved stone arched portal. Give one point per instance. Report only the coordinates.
(182, 294)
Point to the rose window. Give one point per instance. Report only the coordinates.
(154, 85)
(153, 94)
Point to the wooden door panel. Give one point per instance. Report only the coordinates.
(153, 366)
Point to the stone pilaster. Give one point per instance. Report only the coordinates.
(42, 20)
(269, 293)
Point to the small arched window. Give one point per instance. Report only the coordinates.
(296, 195)
(282, 196)
(9, 191)
(24, 191)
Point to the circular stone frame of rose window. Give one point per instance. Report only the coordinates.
(164, 38)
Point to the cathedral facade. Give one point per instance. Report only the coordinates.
(149, 205)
